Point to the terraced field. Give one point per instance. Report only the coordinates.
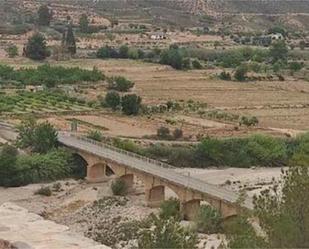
(40, 102)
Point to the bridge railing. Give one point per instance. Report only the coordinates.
(125, 152)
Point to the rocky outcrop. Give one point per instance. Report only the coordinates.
(25, 230)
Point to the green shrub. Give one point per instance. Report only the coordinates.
(166, 234)
(208, 220)
(170, 209)
(45, 191)
(119, 187)
(241, 73)
(120, 83)
(12, 51)
(131, 104)
(225, 76)
(196, 64)
(112, 99)
(95, 135)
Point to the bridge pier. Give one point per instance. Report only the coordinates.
(96, 173)
(155, 196)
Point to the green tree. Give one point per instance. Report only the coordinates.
(8, 157)
(131, 104)
(278, 51)
(70, 42)
(12, 51)
(36, 48)
(166, 234)
(45, 15)
(112, 99)
(284, 215)
(240, 234)
(39, 137)
(301, 154)
(84, 23)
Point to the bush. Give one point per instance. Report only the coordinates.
(241, 73)
(251, 121)
(208, 220)
(166, 234)
(119, 187)
(196, 64)
(170, 209)
(163, 132)
(95, 135)
(225, 76)
(45, 191)
(12, 51)
(177, 133)
(131, 104)
(112, 99)
(120, 83)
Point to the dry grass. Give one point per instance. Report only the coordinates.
(276, 104)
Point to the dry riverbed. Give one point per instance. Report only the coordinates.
(91, 209)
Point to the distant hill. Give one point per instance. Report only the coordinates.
(246, 15)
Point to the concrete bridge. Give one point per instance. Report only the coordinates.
(155, 175)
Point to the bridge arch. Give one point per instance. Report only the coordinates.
(79, 166)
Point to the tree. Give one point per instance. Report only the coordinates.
(8, 157)
(112, 99)
(131, 104)
(39, 137)
(12, 51)
(278, 51)
(45, 15)
(84, 23)
(284, 215)
(36, 48)
(70, 42)
(166, 234)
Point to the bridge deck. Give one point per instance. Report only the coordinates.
(151, 167)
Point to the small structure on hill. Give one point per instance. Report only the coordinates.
(158, 36)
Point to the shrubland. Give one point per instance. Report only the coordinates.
(255, 150)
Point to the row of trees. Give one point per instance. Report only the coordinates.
(50, 75)
(129, 104)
